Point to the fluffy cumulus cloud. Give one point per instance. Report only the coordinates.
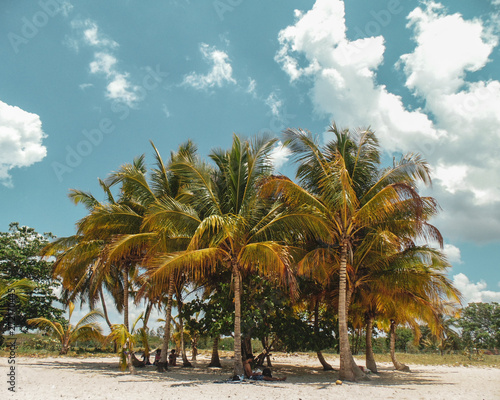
(457, 117)
(94, 38)
(447, 48)
(279, 155)
(344, 72)
(452, 253)
(220, 73)
(474, 292)
(119, 87)
(21, 138)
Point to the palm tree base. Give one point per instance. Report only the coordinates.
(161, 367)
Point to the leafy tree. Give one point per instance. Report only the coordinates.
(480, 324)
(449, 339)
(19, 259)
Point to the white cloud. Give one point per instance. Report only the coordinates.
(119, 87)
(66, 7)
(21, 138)
(84, 86)
(220, 73)
(458, 128)
(452, 253)
(93, 38)
(474, 292)
(343, 74)
(275, 104)
(468, 161)
(279, 155)
(252, 84)
(451, 176)
(447, 47)
(166, 111)
(103, 63)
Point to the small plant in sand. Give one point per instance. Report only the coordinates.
(126, 341)
(86, 329)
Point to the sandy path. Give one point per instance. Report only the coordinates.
(99, 378)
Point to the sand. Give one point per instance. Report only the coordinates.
(99, 378)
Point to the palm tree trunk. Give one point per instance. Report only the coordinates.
(238, 362)
(104, 308)
(106, 317)
(399, 366)
(65, 344)
(149, 308)
(163, 364)
(324, 363)
(130, 363)
(194, 345)
(246, 346)
(215, 361)
(358, 373)
(370, 358)
(346, 360)
(125, 295)
(185, 361)
(321, 358)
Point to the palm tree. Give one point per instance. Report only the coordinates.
(343, 182)
(77, 259)
(236, 230)
(409, 287)
(19, 288)
(126, 340)
(85, 329)
(421, 295)
(162, 196)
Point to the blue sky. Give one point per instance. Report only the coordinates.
(85, 85)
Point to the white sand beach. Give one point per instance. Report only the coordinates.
(99, 378)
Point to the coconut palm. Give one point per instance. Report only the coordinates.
(421, 295)
(85, 329)
(162, 196)
(126, 341)
(19, 288)
(77, 260)
(236, 229)
(407, 287)
(343, 182)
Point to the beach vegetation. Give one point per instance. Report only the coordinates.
(85, 329)
(20, 268)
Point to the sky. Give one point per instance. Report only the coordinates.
(85, 86)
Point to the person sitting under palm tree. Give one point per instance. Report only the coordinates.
(172, 358)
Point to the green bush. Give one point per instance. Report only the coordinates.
(41, 343)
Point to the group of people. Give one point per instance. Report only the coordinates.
(172, 358)
(257, 375)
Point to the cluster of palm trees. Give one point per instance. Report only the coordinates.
(361, 232)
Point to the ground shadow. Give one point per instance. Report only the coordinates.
(200, 374)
